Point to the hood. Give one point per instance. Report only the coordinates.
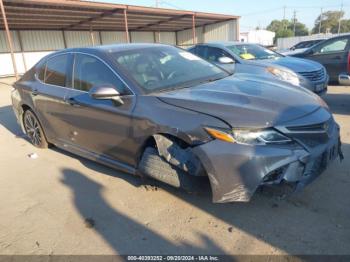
(293, 52)
(244, 100)
(293, 63)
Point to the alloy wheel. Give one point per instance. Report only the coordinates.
(32, 128)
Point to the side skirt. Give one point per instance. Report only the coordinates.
(102, 159)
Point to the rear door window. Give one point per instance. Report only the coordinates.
(41, 72)
(56, 70)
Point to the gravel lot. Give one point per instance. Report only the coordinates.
(62, 204)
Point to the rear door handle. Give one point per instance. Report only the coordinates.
(35, 92)
(337, 57)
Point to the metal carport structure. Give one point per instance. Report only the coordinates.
(75, 15)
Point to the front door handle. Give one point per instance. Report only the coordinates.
(73, 102)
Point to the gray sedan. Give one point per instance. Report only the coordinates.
(255, 59)
(161, 112)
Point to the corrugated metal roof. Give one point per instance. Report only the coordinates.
(83, 15)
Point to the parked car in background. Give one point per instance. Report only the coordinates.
(162, 112)
(300, 47)
(255, 59)
(334, 55)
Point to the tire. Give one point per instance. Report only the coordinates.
(34, 130)
(154, 166)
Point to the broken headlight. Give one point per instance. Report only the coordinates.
(248, 136)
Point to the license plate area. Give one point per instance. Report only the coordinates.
(332, 152)
(320, 87)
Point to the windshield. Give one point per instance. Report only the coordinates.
(252, 52)
(165, 68)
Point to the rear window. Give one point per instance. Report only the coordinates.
(41, 72)
(56, 68)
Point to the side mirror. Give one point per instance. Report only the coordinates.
(226, 60)
(310, 51)
(105, 93)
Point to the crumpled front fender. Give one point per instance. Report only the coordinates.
(235, 171)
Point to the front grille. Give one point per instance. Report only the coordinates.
(314, 75)
(319, 127)
(312, 135)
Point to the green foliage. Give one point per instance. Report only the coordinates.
(285, 28)
(345, 26)
(330, 21)
(300, 29)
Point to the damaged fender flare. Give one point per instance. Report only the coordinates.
(182, 158)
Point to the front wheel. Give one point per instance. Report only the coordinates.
(34, 130)
(154, 166)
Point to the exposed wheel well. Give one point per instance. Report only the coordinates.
(25, 107)
(151, 142)
(175, 151)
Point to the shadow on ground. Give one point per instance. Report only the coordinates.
(124, 234)
(338, 103)
(8, 120)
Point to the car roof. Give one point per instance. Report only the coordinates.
(226, 43)
(112, 48)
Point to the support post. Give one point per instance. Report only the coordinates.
(100, 36)
(9, 39)
(194, 29)
(22, 50)
(64, 39)
(92, 38)
(126, 27)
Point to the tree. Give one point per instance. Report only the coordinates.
(345, 26)
(330, 21)
(300, 28)
(285, 28)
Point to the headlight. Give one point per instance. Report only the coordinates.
(283, 75)
(247, 136)
(259, 137)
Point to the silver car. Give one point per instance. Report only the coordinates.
(255, 59)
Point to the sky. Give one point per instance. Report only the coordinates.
(253, 12)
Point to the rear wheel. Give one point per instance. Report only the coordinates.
(34, 130)
(154, 166)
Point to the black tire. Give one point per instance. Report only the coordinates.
(154, 166)
(34, 130)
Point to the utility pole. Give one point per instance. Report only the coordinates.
(294, 20)
(284, 17)
(339, 22)
(320, 24)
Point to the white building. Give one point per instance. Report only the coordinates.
(262, 37)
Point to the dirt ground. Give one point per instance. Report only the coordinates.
(59, 203)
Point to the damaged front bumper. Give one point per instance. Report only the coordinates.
(236, 170)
